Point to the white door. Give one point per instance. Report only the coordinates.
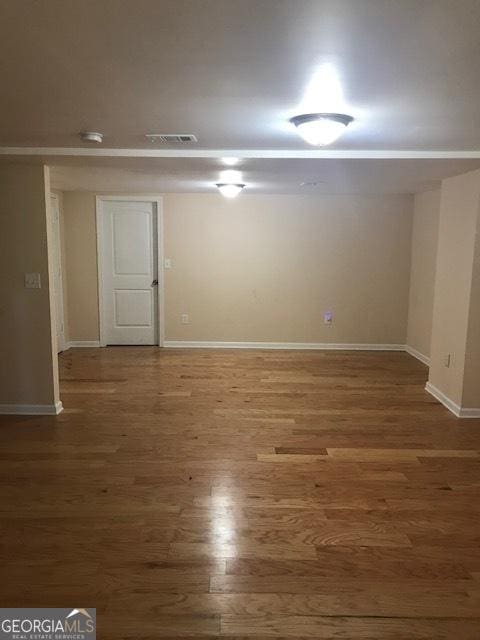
(129, 272)
(57, 275)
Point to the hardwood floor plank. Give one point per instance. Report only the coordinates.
(341, 563)
(356, 628)
(361, 455)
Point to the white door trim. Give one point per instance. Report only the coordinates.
(158, 200)
(55, 218)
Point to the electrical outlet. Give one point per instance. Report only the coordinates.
(33, 281)
(328, 317)
(185, 318)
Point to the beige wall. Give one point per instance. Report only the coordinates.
(422, 275)
(28, 371)
(81, 265)
(265, 268)
(452, 317)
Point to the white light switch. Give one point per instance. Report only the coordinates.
(32, 281)
(328, 317)
(168, 263)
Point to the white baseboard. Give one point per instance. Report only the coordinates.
(457, 410)
(185, 344)
(416, 354)
(82, 343)
(31, 409)
(441, 397)
(466, 412)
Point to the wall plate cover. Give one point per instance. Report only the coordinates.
(33, 281)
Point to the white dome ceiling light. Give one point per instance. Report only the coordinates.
(229, 190)
(91, 136)
(321, 129)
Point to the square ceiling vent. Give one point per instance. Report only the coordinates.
(170, 138)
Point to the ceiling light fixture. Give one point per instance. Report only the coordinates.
(230, 162)
(229, 190)
(321, 128)
(91, 136)
(230, 176)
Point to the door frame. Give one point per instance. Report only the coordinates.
(158, 201)
(59, 301)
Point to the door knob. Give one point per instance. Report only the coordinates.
(154, 283)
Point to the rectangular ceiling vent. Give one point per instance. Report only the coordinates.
(170, 138)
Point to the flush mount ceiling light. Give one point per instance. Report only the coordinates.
(321, 128)
(230, 176)
(230, 162)
(229, 190)
(91, 136)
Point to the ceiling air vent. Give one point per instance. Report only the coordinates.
(170, 138)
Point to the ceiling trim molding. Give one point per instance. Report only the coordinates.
(347, 154)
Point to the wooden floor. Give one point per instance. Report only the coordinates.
(245, 494)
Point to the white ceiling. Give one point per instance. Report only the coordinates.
(164, 175)
(233, 71)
